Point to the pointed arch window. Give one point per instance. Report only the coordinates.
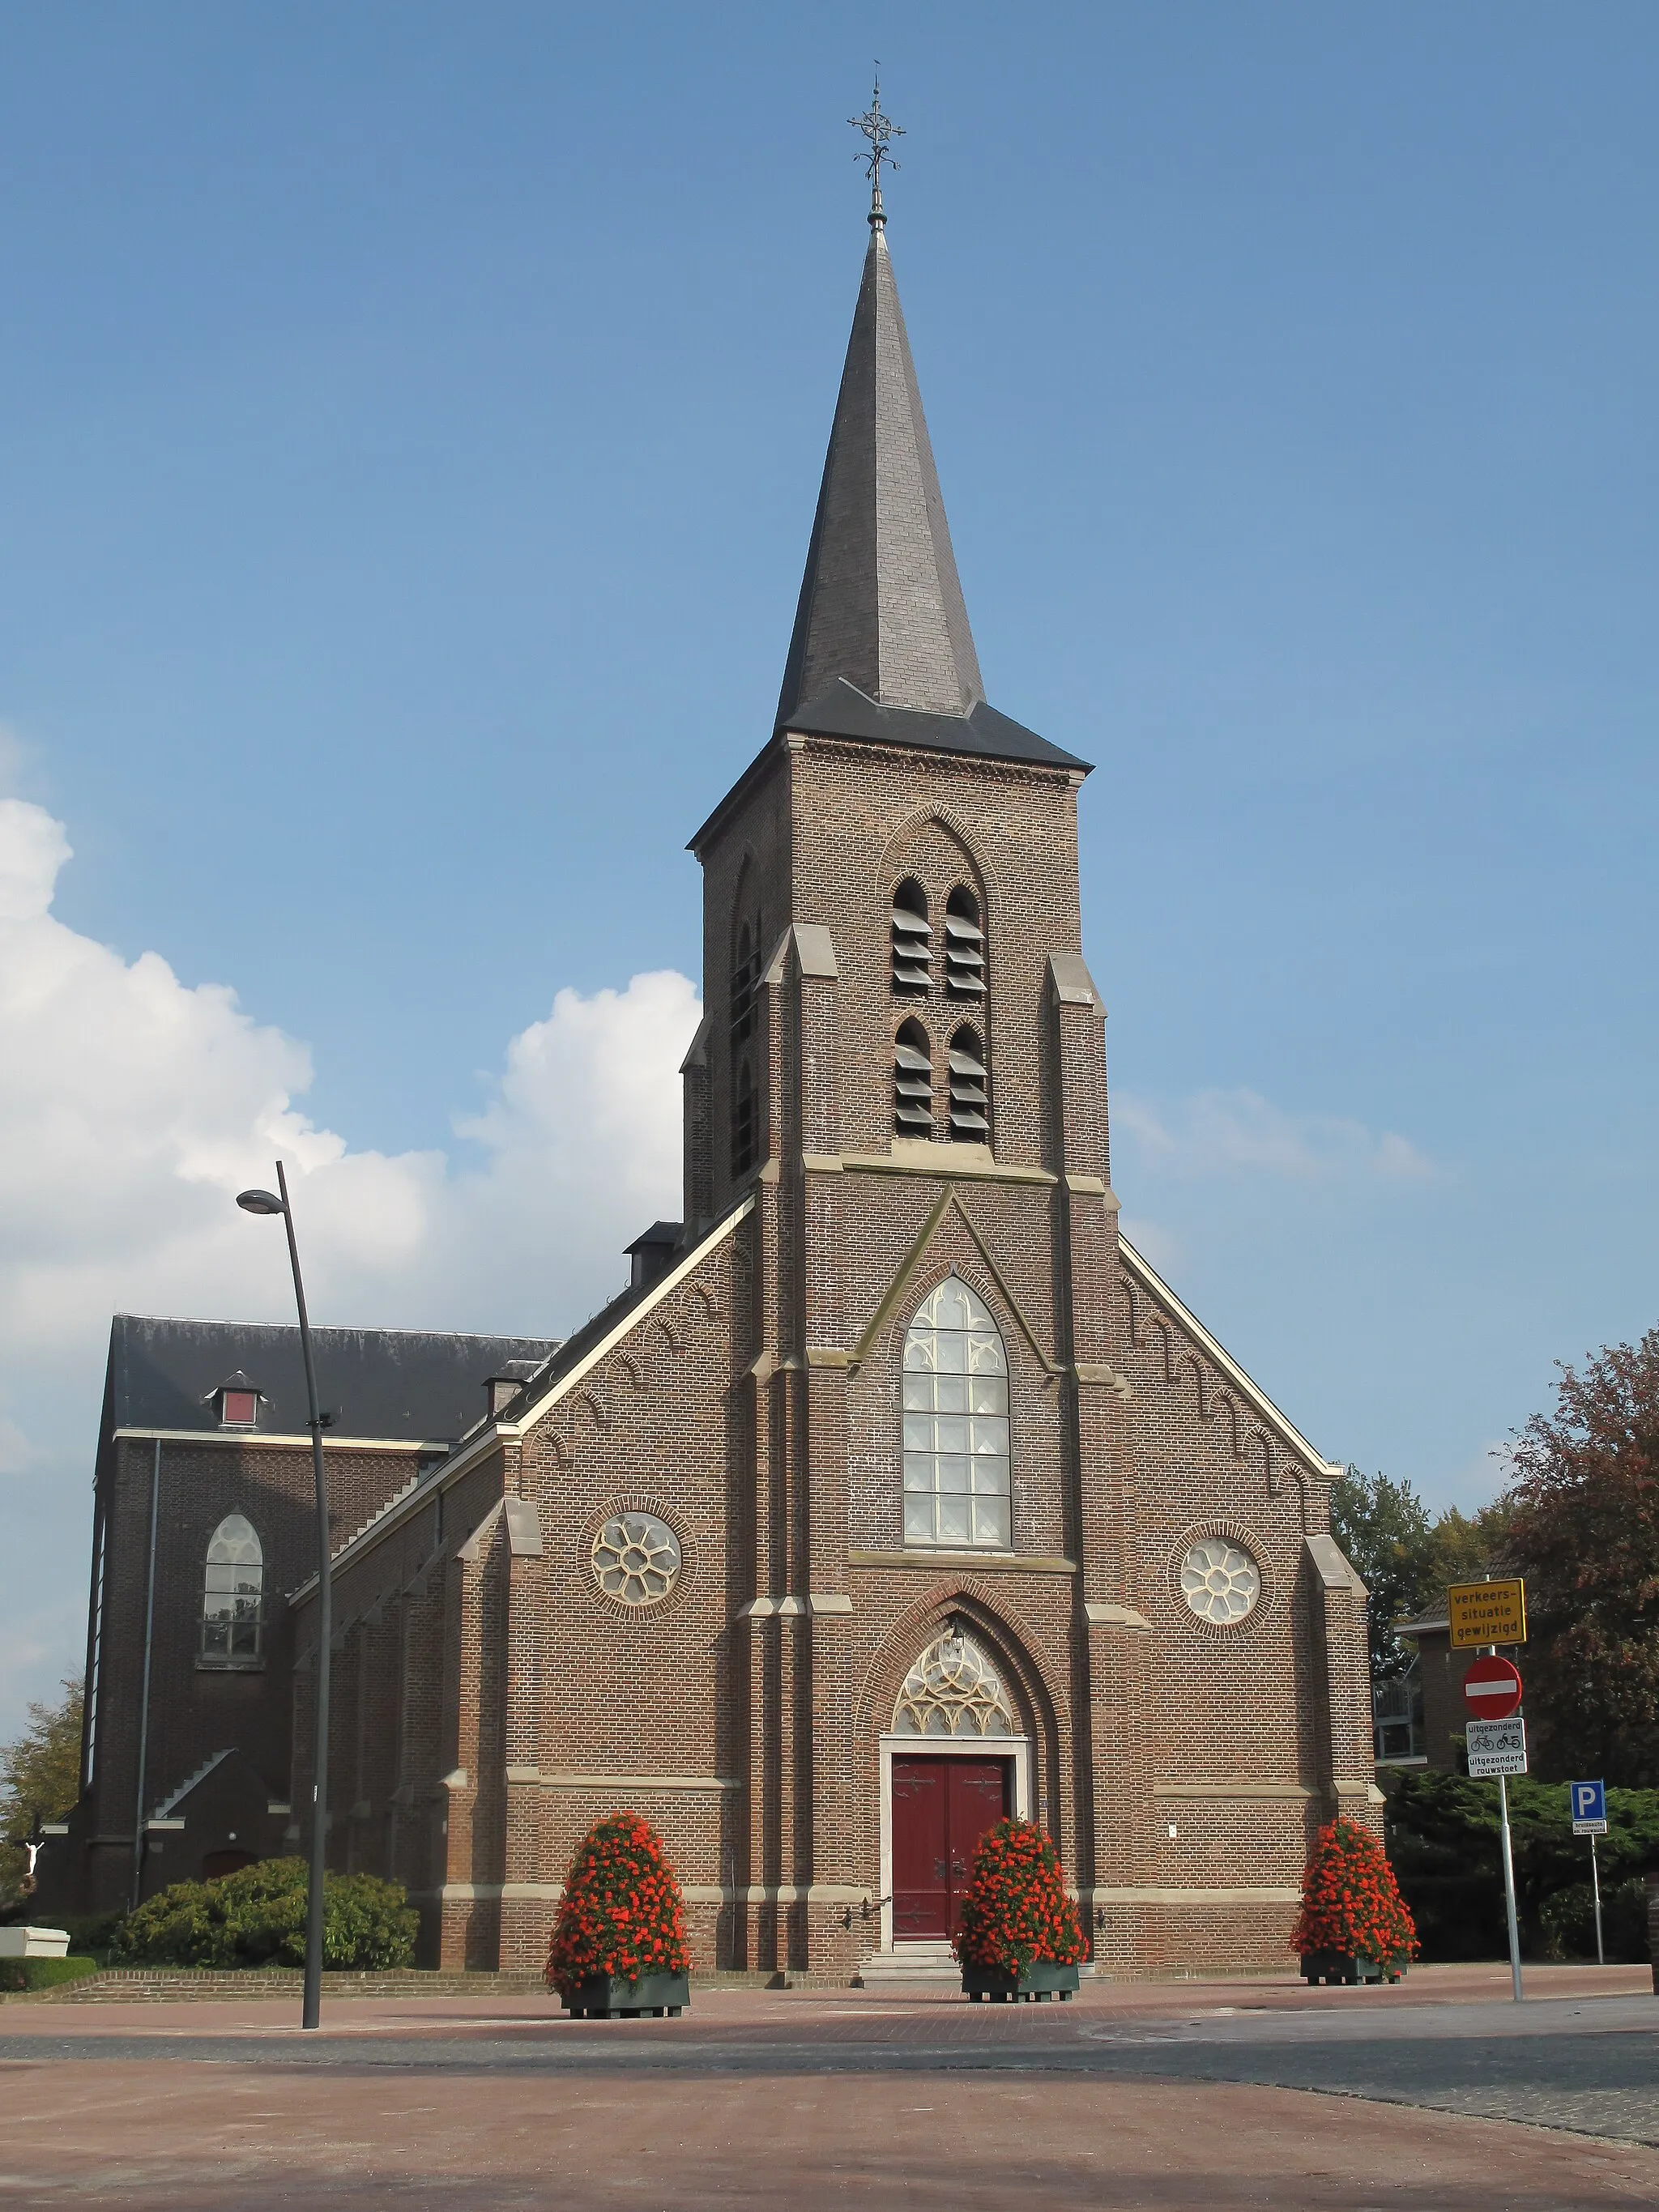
(232, 1593)
(745, 1120)
(913, 941)
(913, 1082)
(957, 1485)
(970, 1096)
(965, 946)
(745, 974)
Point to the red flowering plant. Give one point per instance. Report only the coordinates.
(1016, 1911)
(1350, 1902)
(621, 1913)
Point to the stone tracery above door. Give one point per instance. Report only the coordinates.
(954, 1690)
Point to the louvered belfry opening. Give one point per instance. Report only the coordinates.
(970, 1089)
(913, 1082)
(746, 973)
(964, 946)
(913, 941)
(745, 980)
(742, 1120)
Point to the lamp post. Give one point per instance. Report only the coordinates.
(262, 1201)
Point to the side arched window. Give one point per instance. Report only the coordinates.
(913, 1082)
(744, 1120)
(232, 1591)
(913, 941)
(957, 1487)
(745, 969)
(970, 1096)
(964, 946)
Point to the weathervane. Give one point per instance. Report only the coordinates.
(878, 128)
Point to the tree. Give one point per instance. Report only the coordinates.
(1384, 1528)
(39, 1780)
(1405, 1560)
(1584, 1531)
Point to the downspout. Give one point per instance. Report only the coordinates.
(143, 1695)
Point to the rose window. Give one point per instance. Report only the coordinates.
(1220, 1582)
(636, 1558)
(953, 1690)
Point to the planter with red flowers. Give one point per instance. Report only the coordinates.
(1354, 1925)
(1019, 1937)
(618, 1949)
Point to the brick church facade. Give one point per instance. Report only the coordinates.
(895, 1491)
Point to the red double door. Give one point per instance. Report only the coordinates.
(941, 1807)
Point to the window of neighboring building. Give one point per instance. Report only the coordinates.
(1397, 1718)
(238, 1409)
(956, 1488)
(913, 940)
(232, 1591)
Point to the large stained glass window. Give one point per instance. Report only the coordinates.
(955, 1423)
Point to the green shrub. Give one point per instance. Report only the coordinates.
(1442, 1837)
(256, 1918)
(43, 1973)
(1568, 1920)
(92, 1935)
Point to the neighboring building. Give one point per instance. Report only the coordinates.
(1438, 1674)
(897, 1489)
(203, 1519)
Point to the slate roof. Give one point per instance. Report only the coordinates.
(882, 647)
(407, 1385)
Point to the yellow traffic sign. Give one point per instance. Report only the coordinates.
(1487, 1613)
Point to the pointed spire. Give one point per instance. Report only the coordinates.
(880, 603)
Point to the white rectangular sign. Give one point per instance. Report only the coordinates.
(1497, 1747)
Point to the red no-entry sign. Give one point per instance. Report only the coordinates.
(1491, 1689)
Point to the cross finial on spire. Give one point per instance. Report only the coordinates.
(878, 128)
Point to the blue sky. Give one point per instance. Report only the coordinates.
(410, 420)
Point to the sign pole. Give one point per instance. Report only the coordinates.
(1508, 1886)
(1596, 1886)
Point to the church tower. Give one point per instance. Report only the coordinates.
(960, 1482)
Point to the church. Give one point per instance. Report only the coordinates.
(895, 1491)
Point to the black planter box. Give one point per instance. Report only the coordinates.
(1038, 1982)
(602, 1996)
(1345, 1966)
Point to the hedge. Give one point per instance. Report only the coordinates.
(43, 1973)
(1442, 1837)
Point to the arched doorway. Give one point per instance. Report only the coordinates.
(953, 1762)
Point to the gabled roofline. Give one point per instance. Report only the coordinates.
(1287, 1432)
(482, 1442)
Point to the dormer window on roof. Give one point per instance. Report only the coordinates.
(236, 1402)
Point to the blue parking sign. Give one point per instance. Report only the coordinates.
(1589, 1800)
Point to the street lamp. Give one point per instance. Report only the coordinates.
(262, 1201)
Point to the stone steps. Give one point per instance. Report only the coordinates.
(910, 1962)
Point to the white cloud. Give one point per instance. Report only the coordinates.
(1225, 1132)
(134, 1107)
